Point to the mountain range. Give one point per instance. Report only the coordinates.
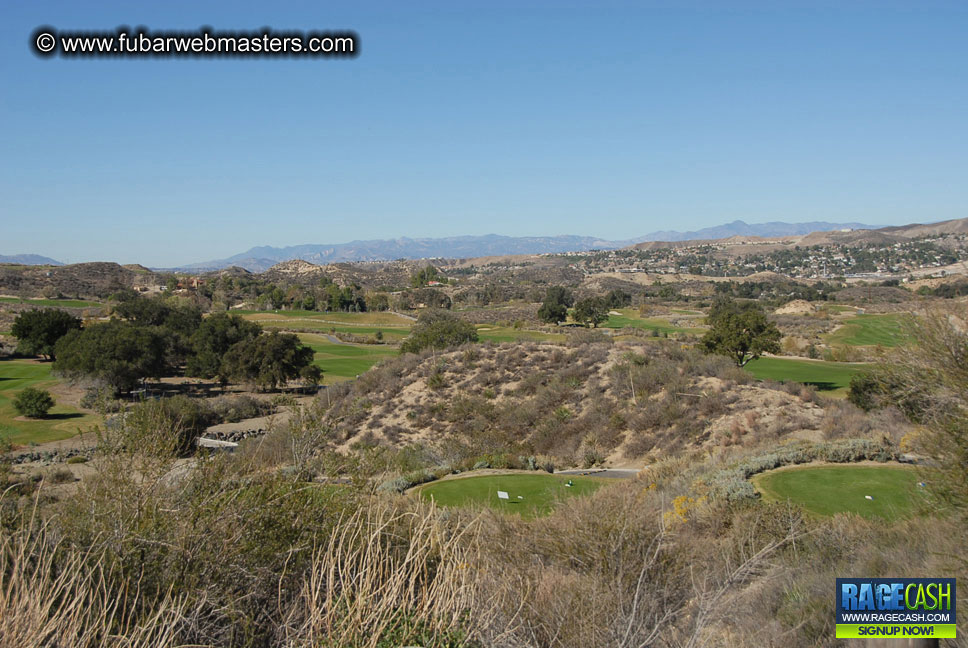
(739, 228)
(261, 258)
(28, 259)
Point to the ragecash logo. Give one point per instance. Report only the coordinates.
(869, 608)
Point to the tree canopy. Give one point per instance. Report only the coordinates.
(438, 329)
(213, 339)
(176, 321)
(741, 332)
(425, 275)
(38, 330)
(120, 354)
(591, 310)
(268, 360)
(555, 306)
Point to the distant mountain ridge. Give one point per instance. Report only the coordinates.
(455, 247)
(29, 259)
(740, 228)
(261, 258)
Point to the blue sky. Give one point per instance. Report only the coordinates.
(521, 118)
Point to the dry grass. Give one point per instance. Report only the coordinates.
(53, 595)
(384, 569)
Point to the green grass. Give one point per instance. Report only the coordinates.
(63, 303)
(871, 330)
(630, 317)
(827, 490)
(838, 308)
(540, 491)
(341, 362)
(830, 377)
(490, 333)
(395, 329)
(362, 319)
(62, 422)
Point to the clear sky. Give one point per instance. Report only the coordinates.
(520, 118)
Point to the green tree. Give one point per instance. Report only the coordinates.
(276, 298)
(213, 339)
(865, 390)
(438, 329)
(378, 302)
(557, 301)
(424, 276)
(177, 322)
(180, 324)
(268, 360)
(38, 330)
(311, 375)
(742, 333)
(591, 310)
(552, 313)
(33, 402)
(618, 298)
(120, 354)
(432, 298)
(143, 311)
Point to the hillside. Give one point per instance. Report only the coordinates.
(79, 280)
(955, 226)
(628, 403)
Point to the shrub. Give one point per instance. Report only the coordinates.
(409, 480)
(232, 409)
(61, 475)
(864, 390)
(436, 329)
(102, 399)
(436, 380)
(732, 483)
(591, 457)
(33, 402)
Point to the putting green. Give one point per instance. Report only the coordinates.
(530, 494)
(830, 377)
(828, 490)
